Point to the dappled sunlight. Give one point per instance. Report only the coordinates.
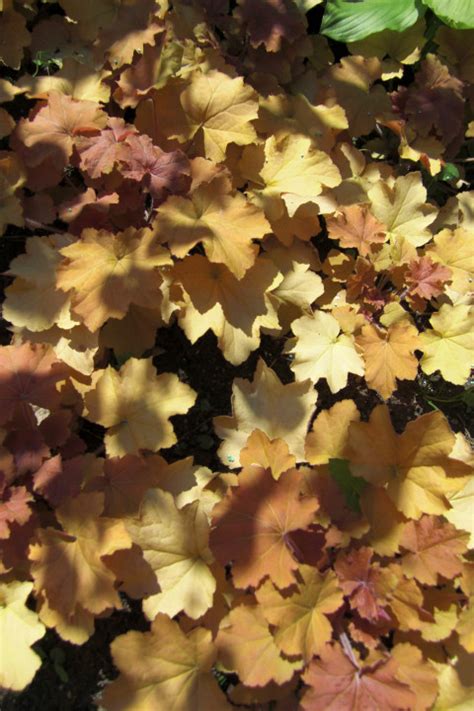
(236, 359)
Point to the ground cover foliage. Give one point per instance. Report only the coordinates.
(237, 342)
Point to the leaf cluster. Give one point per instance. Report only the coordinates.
(222, 167)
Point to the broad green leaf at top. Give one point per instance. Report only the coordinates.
(351, 20)
(455, 13)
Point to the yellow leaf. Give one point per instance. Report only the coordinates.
(15, 38)
(7, 124)
(414, 466)
(164, 669)
(295, 171)
(235, 310)
(322, 351)
(19, 629)
(386, 522)
(417, 673)
(79, 81)
(449, 345)
(175, 544)
(352, 81)
(403, 208)
(219, 110)
(300, 286)
(235, 344)
(453, 695)
(461, 513)
(12, 177)
(8, 91)
(280, 411)
(75, 346)
(453, 249)
(292, 114)
(465, 627)
(404, 46)
(242, 301)
(136, 404)
(456, 46)
(76, 628)
(33, 300)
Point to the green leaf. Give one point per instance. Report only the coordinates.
(449, 172)
(351, 20)
(455, 13)
(468, 398)
(169, 63)
(350, 485)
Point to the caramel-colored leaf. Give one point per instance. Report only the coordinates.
(245, 645)
(135, 405)
(175, 544)
(250, 526)
(389, 355)
(163, 669)
(300, 617)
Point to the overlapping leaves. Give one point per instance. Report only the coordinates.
(214, 169)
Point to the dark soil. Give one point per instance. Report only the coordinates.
(73, 684)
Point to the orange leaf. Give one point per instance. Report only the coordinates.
(68, 566)
(13, 506)
(300, 617)
(100, 153)
(425, 279)
(340, 683)
(245, 645)
(51, 132)
(273, 454)
(28, 376)
(389, 355)
(355, 226)
(329, 435)
(225, 223)
(251, 526)
(162, 173)
(435, 549)
(358, 578)
(413, 466)
(124, 272)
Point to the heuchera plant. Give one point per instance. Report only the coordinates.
(222, 166)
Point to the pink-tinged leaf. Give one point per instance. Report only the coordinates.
(162, 173)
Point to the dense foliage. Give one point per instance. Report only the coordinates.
(208, 166)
